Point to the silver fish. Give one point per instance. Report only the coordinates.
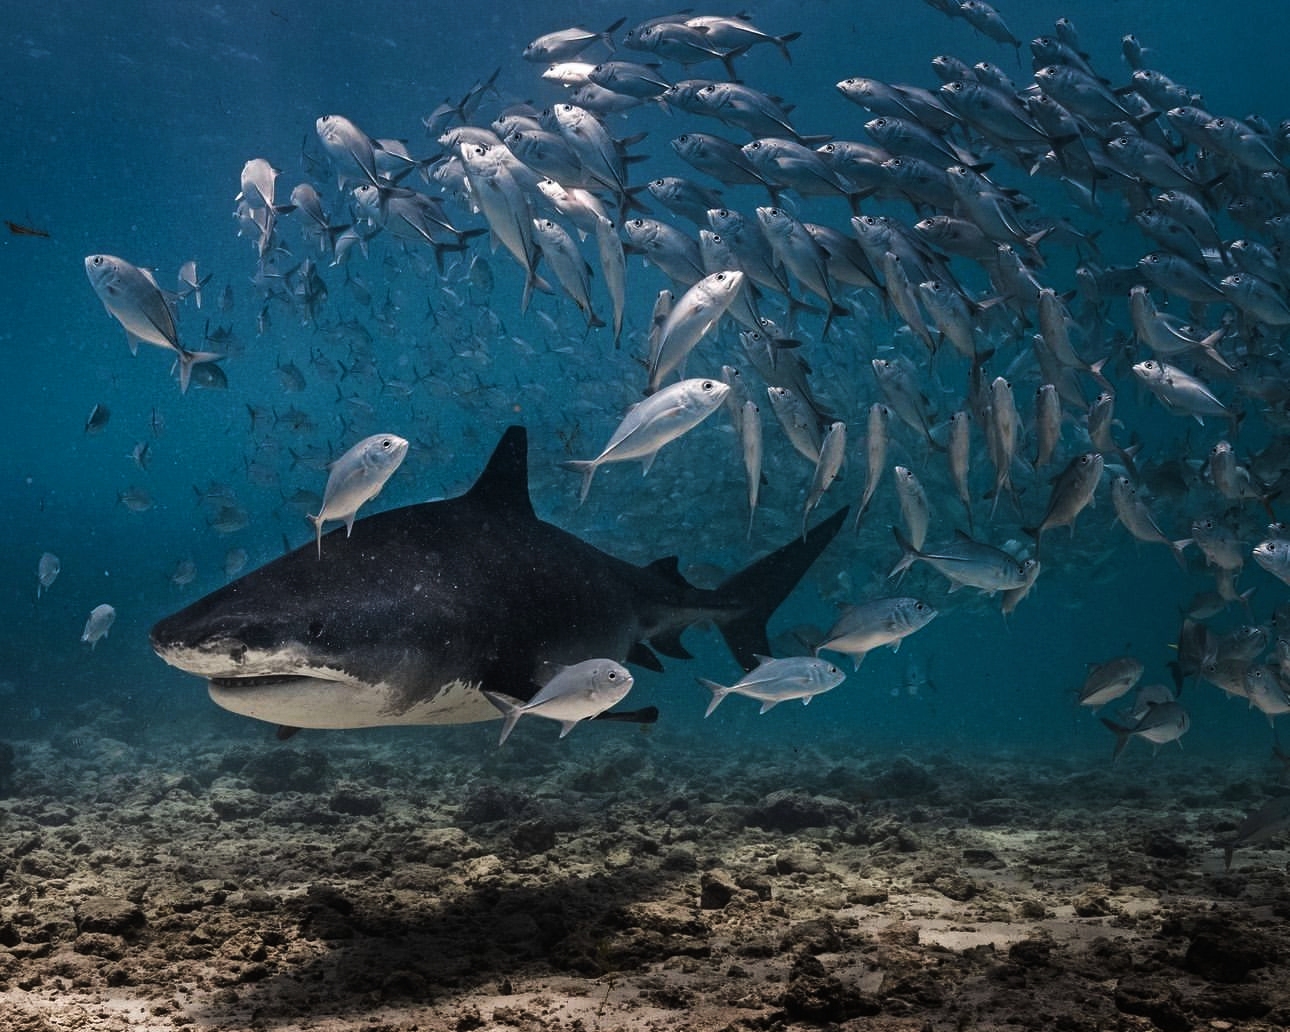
(914, 507)
(576, 693)
(649, 425)
(886, 621)
(1274, 556)
(1108, 681)
(1268, 821)
(1072, 492)
(570, 268)
(566, 44)
(47, 570)
(1162, 722)
(98, 624)
(967, 562)
(133, 298)
(876, 440)
(960, 455)
(356, 478)
(692, 317)
(799, 422)
(778, 680)
(750, 438)
(832, 452)
(613, 266)
(1132, 510)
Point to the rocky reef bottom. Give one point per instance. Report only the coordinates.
(427, 880)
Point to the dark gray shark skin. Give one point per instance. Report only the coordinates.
(405, 621)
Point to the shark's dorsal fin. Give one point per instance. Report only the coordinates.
(504, 483)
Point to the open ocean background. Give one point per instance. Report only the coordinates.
(124, 128)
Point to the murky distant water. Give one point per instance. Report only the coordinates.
(125, 127)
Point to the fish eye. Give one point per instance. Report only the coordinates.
(638, 223)
(683, 138)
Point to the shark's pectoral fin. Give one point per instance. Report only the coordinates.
(670, 645)
(642, 655)
(284, 732)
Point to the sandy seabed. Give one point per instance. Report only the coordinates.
(429, 881)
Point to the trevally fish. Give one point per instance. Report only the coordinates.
(885, 621)
(133, 298)
(47, 570)
(1111, 680)
(576, 693)
(778, 680)
(356, 478)
(1269, 820)
(1162, 722)
(98, 624)
(650, 424)
(430, 605)
(966, 562)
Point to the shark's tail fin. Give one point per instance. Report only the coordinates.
(756, 592)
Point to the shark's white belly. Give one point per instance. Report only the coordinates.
(317, 703)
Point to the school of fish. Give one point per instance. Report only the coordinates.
(927, 311)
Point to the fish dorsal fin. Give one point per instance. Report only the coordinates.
(504, 483)
(670, 570)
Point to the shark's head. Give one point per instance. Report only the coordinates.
(290, 645)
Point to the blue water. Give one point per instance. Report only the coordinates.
(124, 129)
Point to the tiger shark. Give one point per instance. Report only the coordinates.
(426, 607)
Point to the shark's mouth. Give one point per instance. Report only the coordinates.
(262, 681)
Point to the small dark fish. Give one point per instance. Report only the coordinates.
(18, 229)
(98, 419)
(209, 375)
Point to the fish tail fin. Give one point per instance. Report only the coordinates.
(188, 359)
(511, 710)
(587, 467)
(757, 591)
(719, 692)
(909, 554)
(1122, 736)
